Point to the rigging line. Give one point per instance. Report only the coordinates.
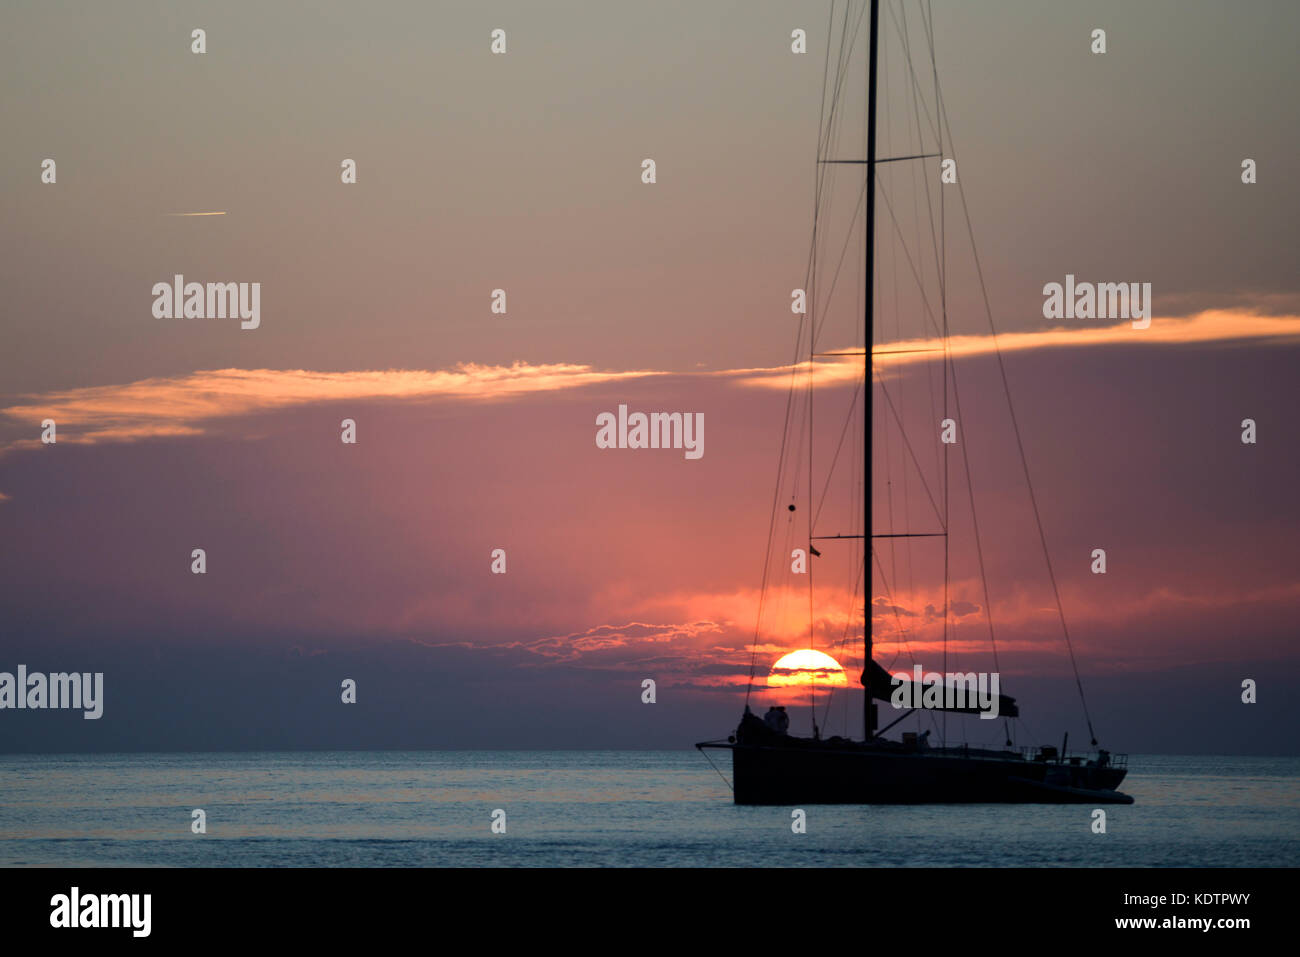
(920, 283)
(844, 637)
(825, 124)
(862, 472)
(875, 304)
(942, 253)
(893, 604)
(812, 639)
(1033, 499)
(771, 527)
(1033, 735)
(858, 582)
(821, 125)
(715, 767)
(938, 132)
(929, 313)
(908, 445)
(911, 172)
(776, 496)
(979, 550)
(848, 239)
(917, 99)
(826, 63)
(853, 402)
(901, 30)
(795, 470)
(826, 133)
(877, 162)
(941, 459)
(825, 137)
(825, 120)
(884, 432)
(927, 20)
(780, 472)
(829, 140)
(884, 442)
(918, 103)
(848, 419)
(811, 278)
(841, 72)
(913, 95)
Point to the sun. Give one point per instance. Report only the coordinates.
(800, 668)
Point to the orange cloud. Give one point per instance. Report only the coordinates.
(705, 639)
(1212, 326)
(675, 642)
(178, 406)
(1204, 327)
(174, 406)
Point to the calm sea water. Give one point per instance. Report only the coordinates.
(591, 808)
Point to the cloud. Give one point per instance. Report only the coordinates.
(1263, 303)
(636, 642)
(707, 644)
(705, 653)
(882, 608)
(179, 405)
(1203, 328)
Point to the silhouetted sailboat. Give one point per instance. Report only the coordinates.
(771, 766)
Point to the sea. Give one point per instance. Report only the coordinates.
(601, 809)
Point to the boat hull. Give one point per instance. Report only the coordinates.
(864, 775)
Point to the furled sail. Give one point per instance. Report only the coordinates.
(883, 686)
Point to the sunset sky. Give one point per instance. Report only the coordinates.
(476, 431)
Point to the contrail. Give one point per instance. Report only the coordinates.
(222, 213)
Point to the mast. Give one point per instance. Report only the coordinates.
(869, 723)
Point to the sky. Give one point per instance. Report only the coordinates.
(475, 431)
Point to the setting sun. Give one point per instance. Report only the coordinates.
(800, 668)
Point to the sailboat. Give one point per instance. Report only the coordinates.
(771, 765)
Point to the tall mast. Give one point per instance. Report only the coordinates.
(869, 706)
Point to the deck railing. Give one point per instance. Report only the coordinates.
(1073, 757)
